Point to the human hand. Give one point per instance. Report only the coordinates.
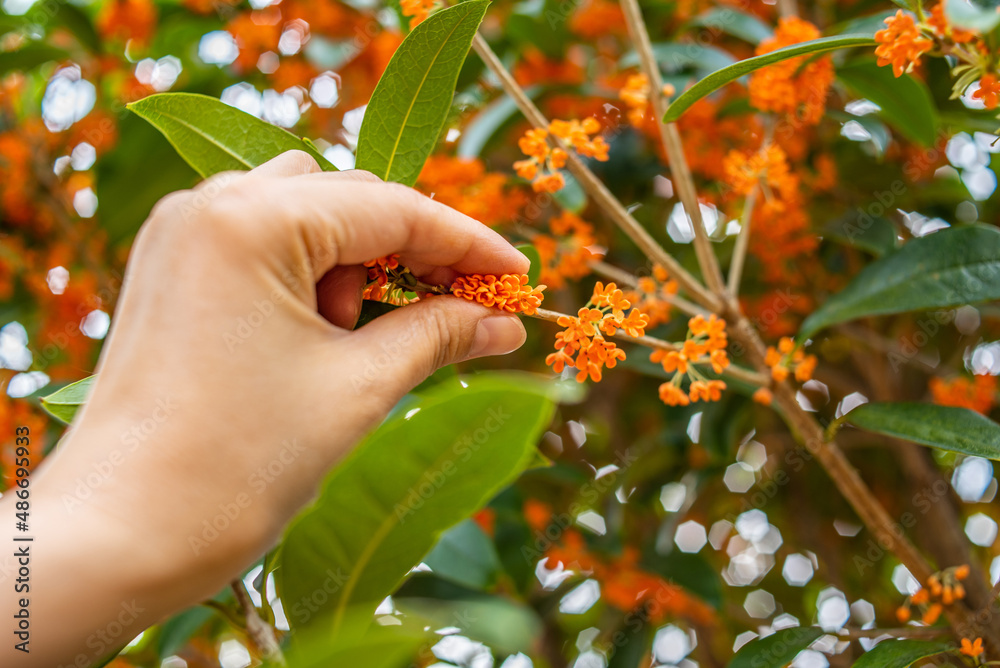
(231, 383)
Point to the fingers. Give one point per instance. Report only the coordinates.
(289, 163)
(405, 346)
(350, 220)
(338, 295)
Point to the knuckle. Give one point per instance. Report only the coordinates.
(449, 346)
(300, 162)
(362, 175)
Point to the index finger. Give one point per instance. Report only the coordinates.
(350, 222)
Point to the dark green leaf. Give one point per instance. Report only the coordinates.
(465, 555)
(64, 403)
(874, 235)
(690, 571)
(951, 267)
(736, 23)
(371, 309)
(776, 650)
(28, 57)
(899, 653)
(411, 102)
(379, 647)
(382, 509)
(214, 137)
(905, 101)
(943, 427)
(726, 75)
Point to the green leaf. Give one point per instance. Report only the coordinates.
(943, 427)
(530, 252)
(382, 509)
(29, 56)
(739, 24)
(951, 267)
(899, 653)
(776, 650)
(981, 17)
(214, 137)
(379, 647)
(873, 235)
(465, 555)
(502, 623)
(371, 309)
(726, 75)
(412, 99)
(64, 403)
(905, 102)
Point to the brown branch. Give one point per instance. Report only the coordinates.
(595, 188)
(742, 244)
(671, 138)
(261, 633)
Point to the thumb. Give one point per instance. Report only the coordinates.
(412, 342)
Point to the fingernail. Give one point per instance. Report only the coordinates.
(497, 335)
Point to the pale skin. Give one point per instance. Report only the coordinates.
(196, 395)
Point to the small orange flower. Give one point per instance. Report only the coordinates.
(978, 394)
(901, 43)
(417, 10)
(932, 614)
(379, 267)
(763, 396)
(989, 91)
(786, 358)
(537, 514)
(509, 292)
(972, 648)
(127, 20)
(903, 614)
(943, 28)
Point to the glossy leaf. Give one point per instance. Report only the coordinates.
(379, 647)
(465, 555)
(733, 22)
(954, 266)
(214, 137)
(64, 403)
(873, 235)
(410, 105)
(690, 571)
(726, 75)
(899, 653)
(776, 650)
(905, 101)
(943, 427)
(382, 509)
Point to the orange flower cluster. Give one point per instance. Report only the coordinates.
(745, 171)
(582, 345)
(256, 33)
(625, 585)
(417, 10)
(536, 68)
(379, 267)
(568, 252)
(14, 414)
(543, 163)
(786, 358)
(464, 184)
(901, 43)
(978, 394)
(705, 344)
(127, 20)
(635, 95)
(648, 297)
(939, 23)
(508, 292)
(797, 86)
(989, 91)
(382, 276)
(942, 589)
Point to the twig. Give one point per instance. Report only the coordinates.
(742, 244)
(622, 277)
(904, 632)
(733, 371)
(261, 633)
(595, 188)
(674, 148)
